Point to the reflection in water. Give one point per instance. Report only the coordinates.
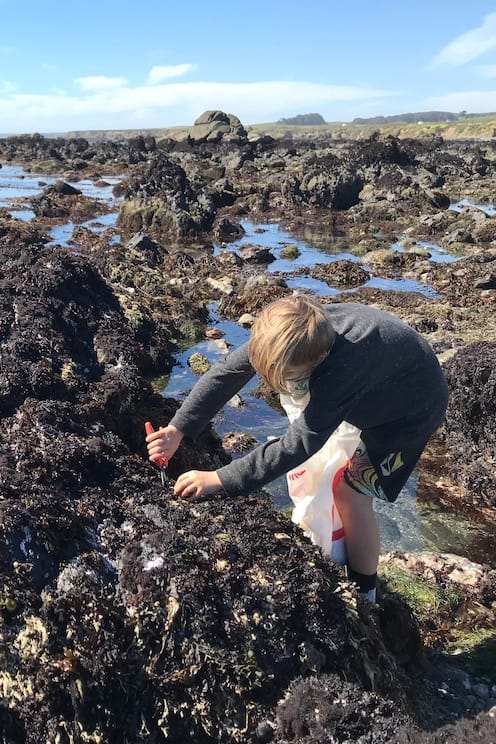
(273, 237)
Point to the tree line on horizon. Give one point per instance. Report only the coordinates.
(410, 117)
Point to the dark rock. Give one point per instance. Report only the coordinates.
(61, 187)
(438, 198)
(341, 273)
(471, 420)
(152, 251)
(252, 296)
(227, 259)
(161, 199)
(322, 709)
(223, 194)
(459, 236)
(226, 230)
(238, 442)
(486, 282)
(327, 189)
(256, 254)
(385, 149)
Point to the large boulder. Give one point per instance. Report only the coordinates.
(160, 198)
(331, 188)
(214, 126)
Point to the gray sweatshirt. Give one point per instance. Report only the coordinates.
(379, 375)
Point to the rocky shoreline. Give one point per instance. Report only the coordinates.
(128, 616)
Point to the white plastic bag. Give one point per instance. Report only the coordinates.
(311, 484)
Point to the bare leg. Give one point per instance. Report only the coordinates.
(360, 527)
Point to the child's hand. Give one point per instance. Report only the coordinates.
(197, 483)
(165, 441)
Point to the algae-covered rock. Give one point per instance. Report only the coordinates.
(290, 252)
(234, 441)
(341, 273)
(129, 614)
(199, 363)
(453, 600)
(160, 198)
(325, 188)
(322, 709)
(471, 420)
(252, 296)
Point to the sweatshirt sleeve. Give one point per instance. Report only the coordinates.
(212, 391)
(303, 438)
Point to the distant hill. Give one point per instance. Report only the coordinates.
(303, 120)
(414, 117)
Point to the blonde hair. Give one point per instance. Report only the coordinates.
(291, 331)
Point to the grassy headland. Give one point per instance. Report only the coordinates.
(474, 127)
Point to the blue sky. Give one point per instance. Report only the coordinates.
(118, 64)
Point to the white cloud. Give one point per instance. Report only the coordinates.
(7, 87)
(473, 101)
(108, 103)
(487, 71)
(100, 82)
(158, 74)
(468, 46)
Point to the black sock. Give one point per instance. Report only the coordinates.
(364, 582)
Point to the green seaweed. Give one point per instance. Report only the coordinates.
(477, 648)
(426, 599)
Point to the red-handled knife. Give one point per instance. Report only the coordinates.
(160, 462)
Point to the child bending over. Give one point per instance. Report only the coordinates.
(359, 365)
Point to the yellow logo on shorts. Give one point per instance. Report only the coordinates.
(391, 463)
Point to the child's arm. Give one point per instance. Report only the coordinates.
(212, 391)
(208, 396)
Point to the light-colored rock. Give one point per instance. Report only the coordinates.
(236, 401)
(246, 320)
(225, 284)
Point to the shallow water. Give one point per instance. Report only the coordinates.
(272, 236)
(489, 209)
(437, 254)
(62, 234)
(17, 185)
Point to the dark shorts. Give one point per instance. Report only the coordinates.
(381, 475)
(380, 469)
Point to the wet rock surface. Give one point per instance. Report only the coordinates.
(130, 616)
